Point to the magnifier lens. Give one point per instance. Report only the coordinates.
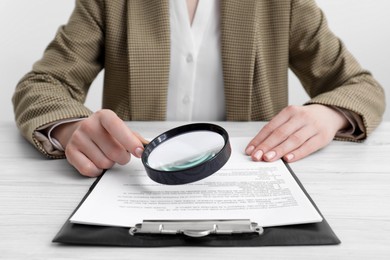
(186, 151)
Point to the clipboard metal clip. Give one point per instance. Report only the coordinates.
(196, 228)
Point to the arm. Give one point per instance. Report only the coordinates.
(326, 69)
(334, 81)
(56, 87)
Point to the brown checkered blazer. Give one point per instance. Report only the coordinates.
(130, 39)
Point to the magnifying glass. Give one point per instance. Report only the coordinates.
(187, 153)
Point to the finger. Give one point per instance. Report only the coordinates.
(277, 137)
(82, 164)
(118, 130)
(280, 119)
(84, 144)
(310, 146)
(293, 142)
(141, 138)
(109, 147)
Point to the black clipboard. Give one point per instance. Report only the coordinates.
(292, 235)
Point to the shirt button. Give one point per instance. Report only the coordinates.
(186, 100)
(189, 58)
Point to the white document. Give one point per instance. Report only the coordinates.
(265, 193)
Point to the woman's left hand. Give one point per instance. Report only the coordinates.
(296, 132)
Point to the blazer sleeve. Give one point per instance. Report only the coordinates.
(329, 73)
(56, 87)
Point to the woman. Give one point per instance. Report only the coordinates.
(194, 60)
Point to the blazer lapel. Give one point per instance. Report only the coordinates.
(149, 58)
(238, 56)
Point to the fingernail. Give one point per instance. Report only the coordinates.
(138, 152)
(289, 157)
(249, 150)
(258, 155)
(270, 155)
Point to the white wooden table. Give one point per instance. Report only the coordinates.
(350, 183)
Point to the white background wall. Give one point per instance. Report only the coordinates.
(27, 26)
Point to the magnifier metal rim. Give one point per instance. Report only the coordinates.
(190, 174)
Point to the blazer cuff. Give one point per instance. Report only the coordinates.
(355, 131)
(44, 135)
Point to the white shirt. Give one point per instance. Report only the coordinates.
(196, 91)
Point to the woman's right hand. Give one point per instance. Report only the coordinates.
(98, 142)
